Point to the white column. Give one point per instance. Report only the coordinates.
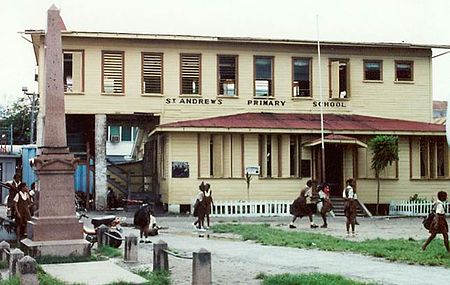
(100, 161)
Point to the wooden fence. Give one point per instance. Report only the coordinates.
(250, 209)
(413, 208)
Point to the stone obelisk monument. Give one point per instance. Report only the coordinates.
(56, 231)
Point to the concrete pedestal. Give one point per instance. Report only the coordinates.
(75, 247)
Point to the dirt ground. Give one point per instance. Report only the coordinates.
(238, 262)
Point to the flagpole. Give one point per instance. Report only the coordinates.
(321, 100)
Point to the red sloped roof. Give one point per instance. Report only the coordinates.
(332, 122)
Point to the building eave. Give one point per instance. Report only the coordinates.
(243, 40)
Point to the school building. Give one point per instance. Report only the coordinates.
(213, 108)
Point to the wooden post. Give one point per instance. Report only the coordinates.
(88, 174)
(27, 270)
(160, 257)
(16, 255)
(131, 249)
(201, 268)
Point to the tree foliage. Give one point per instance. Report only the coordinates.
(385, 151)
(18, 114)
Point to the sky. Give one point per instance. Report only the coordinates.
(413, 21)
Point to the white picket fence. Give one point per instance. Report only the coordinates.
(413, 208)
(250, 209)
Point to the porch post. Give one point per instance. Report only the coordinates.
(100, 161)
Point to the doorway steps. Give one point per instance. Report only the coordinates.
(338, 207)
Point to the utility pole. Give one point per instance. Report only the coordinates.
(32, 96)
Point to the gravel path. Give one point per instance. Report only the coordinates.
(239, 262)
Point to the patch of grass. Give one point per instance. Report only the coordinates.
(109, 251)
(310, 279)
(3, 265)
(11, 281)
(44, 279)
(399, 250)
(50, 259)
(155, 277)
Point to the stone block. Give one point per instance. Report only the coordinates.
(4, 246)
(27, 270)
(131, 249)
(160, 257)
(201, 268)
(15, 256)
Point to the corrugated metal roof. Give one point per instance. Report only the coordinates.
(340, 139)
(332, 122)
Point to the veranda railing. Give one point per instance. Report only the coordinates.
(250, 209)
(413, 208)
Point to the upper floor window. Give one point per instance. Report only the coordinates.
(227, 74)
(373, 70)
(73, 72)
(263, 76)
(113, 72)
(339, 78)
(190, 73)
(404, 70)
(152, 73)
(301, 77)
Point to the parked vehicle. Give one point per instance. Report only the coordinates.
(111, 221)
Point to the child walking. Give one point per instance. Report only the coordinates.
(439, 224)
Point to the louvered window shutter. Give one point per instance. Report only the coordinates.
(113, 70)
(152, 73)
(190, 74)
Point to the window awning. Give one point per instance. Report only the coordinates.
(338, 139)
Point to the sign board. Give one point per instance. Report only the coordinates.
(252, 170)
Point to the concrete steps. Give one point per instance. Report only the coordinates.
(338, 207)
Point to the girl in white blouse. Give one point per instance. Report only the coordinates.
(439, 224)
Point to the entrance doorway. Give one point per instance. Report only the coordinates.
(334, 168)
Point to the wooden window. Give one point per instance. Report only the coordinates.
(295, 156)
(373, 70)
(263, 72)
(113, 72)
(404, 70)
(73, 71)
(433, 158)
(339, 72)
(305, 168)
(301, 77)
(114, 133)
(126, 133)
(227, 74)
(270, 151)
(219, 155)
(190, 74)
(364, 161)
(152, 73)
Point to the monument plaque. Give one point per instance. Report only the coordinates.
(56, 231)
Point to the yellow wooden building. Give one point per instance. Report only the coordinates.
(213, 108)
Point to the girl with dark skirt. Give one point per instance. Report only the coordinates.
(350, 206)
(200, 207)
(22, 204)
(439, 224)
(208, 203)
(303, 206)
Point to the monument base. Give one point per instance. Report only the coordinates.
(77, 247)
(54, 228)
